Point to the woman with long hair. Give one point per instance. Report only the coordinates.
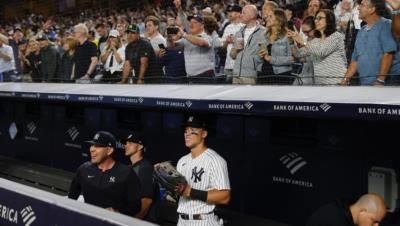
(67, 67)
(113, 58)
(276, 52)
(326, 50)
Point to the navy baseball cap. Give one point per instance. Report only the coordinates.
(196, 17)
(234, 8)
(103, 139)
(195, 122)
(134, 137)
(133, 28)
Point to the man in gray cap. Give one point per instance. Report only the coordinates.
(104, 182)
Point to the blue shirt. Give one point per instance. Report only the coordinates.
(371, 44)
(395, 69)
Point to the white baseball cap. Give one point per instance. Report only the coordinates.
(114, 33)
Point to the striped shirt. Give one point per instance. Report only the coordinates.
(205, 172)
(328, 57)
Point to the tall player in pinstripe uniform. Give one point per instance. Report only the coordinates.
(207, 175)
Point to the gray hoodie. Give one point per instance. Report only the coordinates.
(245, 62)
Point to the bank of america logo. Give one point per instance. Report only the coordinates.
(248, 105)
(189, 103)
(293, 162)
(73, 133)
(31, 127)
(28, 216)
(325, 107)
(140, 100)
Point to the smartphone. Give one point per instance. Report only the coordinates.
(172, 30)
(161, 46)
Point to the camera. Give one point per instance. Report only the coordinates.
(172, 30)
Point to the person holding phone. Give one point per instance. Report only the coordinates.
(152, 33)
(172, 58)
(277, 54)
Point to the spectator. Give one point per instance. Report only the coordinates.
(7, 63)
(267, 7)
(172, 58)
(235, 25)
(198, 51)
(374, 48)
(17, 37)
(85, 55)
(306, 76)
(113, 58)
(396, 17)
(293, 21)
(343, 13)
(246, 46)
(277, 56)
(92, 38)
(22, 48)
(211, 29)
(153, 34)
(103, 33)
(67, 66)
(313, 6)
(140, 56)
(49, 57)
(326, 50)
(121, 27)
(33, 60)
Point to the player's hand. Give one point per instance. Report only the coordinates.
(183, 189)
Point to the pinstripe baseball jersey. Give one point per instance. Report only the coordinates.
(205, 172)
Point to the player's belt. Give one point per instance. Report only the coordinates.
(194, 216)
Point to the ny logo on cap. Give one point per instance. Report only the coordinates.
(96, 137)
(190, 119)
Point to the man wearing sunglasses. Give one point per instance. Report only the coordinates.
(207, 175)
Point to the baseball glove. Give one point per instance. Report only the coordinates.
(169, 178)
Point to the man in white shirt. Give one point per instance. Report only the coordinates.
(7, 63)
(235, 25)
(153, 34)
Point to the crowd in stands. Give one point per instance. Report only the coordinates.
(346, 42)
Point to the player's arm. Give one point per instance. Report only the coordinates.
(146, 183)
(75, 188)
(133, 193)
(145, 207)
(218, 197)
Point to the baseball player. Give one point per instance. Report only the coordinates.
(207, 175)
(134, 149)
(105, 182)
